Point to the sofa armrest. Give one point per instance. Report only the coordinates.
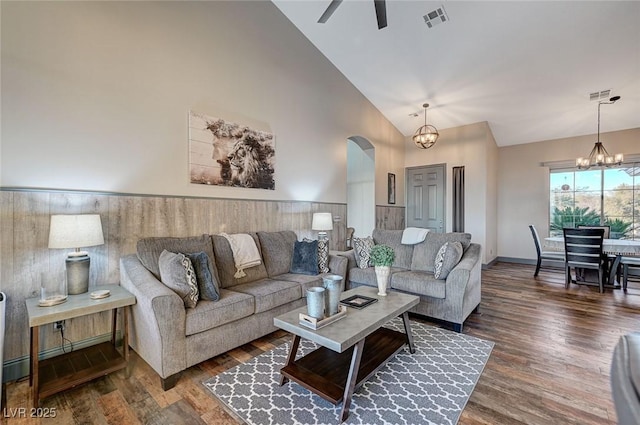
(157, 322)
(338, 266)
(465, 276)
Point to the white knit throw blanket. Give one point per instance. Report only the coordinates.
(413, 235)
(245, 252)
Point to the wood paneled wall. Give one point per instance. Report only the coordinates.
(389, 217)
(24, 233)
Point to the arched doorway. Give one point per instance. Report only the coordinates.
(361, 195)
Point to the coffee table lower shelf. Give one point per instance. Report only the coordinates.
(324, 371)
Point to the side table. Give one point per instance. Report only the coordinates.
(65, 371)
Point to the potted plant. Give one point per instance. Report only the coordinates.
(382, 257)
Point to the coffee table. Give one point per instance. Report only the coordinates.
(351, 349)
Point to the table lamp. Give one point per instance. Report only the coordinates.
(322, 222)
(76, 231)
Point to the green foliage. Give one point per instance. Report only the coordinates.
(572, 217)
(382, 255)
(619, 226)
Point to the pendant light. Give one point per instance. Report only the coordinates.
(599, 157)
(427, 135)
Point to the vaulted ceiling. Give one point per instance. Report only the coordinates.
(527, 68)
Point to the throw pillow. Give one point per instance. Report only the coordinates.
(447, 257)
(323, 254)
(362, 250)
(305, 258)
(176, 272)
(207, 283)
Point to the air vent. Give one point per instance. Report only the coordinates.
(600, 95)
(436, 17)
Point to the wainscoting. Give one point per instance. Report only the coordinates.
(24, 232)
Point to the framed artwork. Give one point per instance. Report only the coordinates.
(391, 188)
(224, 153)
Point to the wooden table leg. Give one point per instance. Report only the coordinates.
(407, 330)
(125, 339)
(114, 325)
(291, 357)
(351, 379)
(34, 378)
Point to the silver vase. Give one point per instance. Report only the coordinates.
(333, 288)
(315, 302)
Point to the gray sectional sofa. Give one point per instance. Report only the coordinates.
(171, 338)
(451, 299)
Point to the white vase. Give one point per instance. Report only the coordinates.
(382, 275)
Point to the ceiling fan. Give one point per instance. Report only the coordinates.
(381, 12)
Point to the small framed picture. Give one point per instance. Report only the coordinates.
(391, 187)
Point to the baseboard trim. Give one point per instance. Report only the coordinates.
(18, 368)
(529, 261)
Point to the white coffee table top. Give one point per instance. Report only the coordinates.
(357, 324)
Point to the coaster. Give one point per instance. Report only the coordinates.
(100, 294)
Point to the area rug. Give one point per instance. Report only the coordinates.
(431, 386)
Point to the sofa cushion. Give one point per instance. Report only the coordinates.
(393, 238)
(305, 258)
(149, 250)
(424, 253)
(368, 276)
(277, 250)
(305, 281)
(269, 293)
(447, 257)
(227, 266)
(176, 272)
(207, 284)
(362, 250)
(208, 314)
(419, 283)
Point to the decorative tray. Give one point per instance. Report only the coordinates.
(313, 323)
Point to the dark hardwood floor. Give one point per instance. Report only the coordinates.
(550, 363)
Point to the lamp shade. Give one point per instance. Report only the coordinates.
(322, 222)
(75, 231)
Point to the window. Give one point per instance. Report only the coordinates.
(608, 196)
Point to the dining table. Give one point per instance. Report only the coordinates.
(614, 247)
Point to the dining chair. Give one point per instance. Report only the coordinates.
(543, 255)
(607, 229)
(583, 250)
(627, 262)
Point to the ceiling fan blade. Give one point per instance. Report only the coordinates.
(327, 13)
(381, 13)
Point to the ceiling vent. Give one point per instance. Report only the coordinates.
(600, 95)
(436, 17)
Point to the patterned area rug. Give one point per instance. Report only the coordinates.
(431, 386)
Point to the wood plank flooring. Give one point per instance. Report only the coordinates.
(550, 363)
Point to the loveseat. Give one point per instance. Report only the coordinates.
(171, 337)
(451, 299)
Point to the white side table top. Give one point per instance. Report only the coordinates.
(78, 305)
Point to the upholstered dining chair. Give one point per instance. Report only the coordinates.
(543, 255)
(627, 262)
(583, 250)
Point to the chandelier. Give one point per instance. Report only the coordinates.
(599, 157)
(426, 135)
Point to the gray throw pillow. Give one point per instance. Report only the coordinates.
(176, 272)
(305, 258)
(447, 257)
(207, 283)
(362, 250)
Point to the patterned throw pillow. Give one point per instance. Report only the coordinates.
(176, 272)
(323, 254)
(447, 257)
(362, 250)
